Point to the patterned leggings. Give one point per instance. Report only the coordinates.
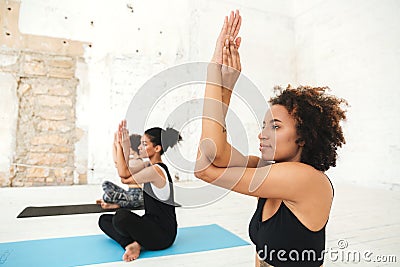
(132, 198)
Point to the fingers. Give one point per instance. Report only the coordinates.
(120, 128)
(230, 23)
(238, 41)
(236, 25)
(237, 28)
(222, 34)
(239, 65)
(234, 55)
(124, 135)
(233, 27)
(230, 30)
(224, 27)
(230, 56)
(122, 125)
(225, 56)
(116, 137)
(119, 137)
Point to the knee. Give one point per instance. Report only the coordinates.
(106, 184)
(103, 221)
(120, 217)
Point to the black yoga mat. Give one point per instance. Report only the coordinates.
(64, 210)
(67, 210)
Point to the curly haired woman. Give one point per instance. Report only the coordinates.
(301, 133)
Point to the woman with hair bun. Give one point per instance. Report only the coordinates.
(157, 228)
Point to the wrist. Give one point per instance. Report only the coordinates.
(214, 73)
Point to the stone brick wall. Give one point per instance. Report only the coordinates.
(45, 130)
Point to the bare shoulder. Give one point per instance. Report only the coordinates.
(160, 176)
(296, 170)
(159, 170)
(302, 176)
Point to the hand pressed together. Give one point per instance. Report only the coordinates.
(225, 66)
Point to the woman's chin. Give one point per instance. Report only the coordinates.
(267, 157)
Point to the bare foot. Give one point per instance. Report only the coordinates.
(132, 252)
(108, 206)
(99, 201)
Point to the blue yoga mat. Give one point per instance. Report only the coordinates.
(94, 249)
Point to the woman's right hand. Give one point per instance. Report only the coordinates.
(114, 148)
(216, 73)
(116, 139)
(229, 31)
(123, 140)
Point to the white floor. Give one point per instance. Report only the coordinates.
(366, 220)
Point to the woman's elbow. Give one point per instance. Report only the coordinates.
(200, 174)
(124, 181)
(203, 174)
(200, 169)
(123, 174)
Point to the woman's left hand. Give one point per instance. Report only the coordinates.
(124, 140)
(231, 66)
(229, 31)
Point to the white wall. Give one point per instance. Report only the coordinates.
(351, 46)
(128, 48)
(354, 48)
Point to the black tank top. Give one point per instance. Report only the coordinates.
(161, 211)
(284, 241)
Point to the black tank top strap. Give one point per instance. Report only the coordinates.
(333, 189)
(162, 165)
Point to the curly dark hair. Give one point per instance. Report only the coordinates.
(317, 115)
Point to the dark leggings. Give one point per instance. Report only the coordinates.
(126, 227)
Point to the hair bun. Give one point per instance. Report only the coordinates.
(169, 138)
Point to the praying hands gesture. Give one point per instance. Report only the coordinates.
(223, 72)
(229, 31)
(122, 141)
(224, 69)
(231, 66)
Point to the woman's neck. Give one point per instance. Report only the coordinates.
(155, 159)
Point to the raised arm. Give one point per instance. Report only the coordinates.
(138, 174)
(152, 174)
(292, 181)
(143, 175)
(136, 165)
(220, 82)
(121, 138)
(114, 148)
(122, 166)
